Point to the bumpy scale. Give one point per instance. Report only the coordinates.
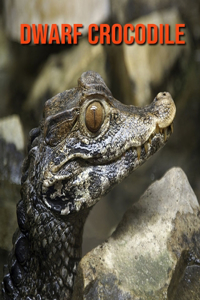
(87, 142)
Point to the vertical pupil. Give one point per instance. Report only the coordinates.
(93, 109)
(94, 116)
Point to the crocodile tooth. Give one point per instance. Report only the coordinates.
(165, 134)
(146, 147)
(157, 128)
(138, 152)
(161, 130)
(172, 127)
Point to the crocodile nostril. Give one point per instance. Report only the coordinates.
(164, 94)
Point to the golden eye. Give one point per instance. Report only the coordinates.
(94, 116)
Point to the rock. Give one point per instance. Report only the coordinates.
(154, 252)
(5, 64)
(148, 69)
(61, 72)
(12, 132)
(51, 12)
(127, 10)
(11, 157)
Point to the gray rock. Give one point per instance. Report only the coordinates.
(11, 131)
(145, 69)
(11, 157)
(124, 11)
(5, 65)
(53, 12)
(154, 252)
(61, 72)
(148, 67)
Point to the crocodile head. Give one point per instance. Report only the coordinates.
(89, 141)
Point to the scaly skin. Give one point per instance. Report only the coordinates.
(87, 142)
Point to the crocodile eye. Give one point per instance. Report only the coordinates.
(94, 116)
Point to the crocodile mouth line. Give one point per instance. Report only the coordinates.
(164, 132)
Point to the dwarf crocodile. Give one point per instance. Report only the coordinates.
(86, 143)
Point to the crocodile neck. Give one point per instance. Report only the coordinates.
(48, 237)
